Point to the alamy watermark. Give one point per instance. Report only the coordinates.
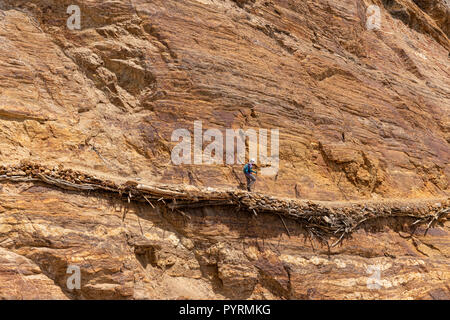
(373, 14)
(74, 21)
(235, 153)
(374, 281)
(74, 281)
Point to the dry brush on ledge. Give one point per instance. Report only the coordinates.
(324, 221)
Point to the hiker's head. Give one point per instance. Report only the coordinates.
(252, 161)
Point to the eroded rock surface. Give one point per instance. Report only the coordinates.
(362, 114)
(130, 250)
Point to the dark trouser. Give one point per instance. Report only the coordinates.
(250, 180)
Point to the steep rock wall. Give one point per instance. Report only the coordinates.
(362, 114)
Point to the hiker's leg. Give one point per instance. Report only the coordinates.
(248, 181)
(252, 182)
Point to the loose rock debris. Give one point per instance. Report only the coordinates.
(322, 220)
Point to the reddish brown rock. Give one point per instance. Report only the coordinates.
(362, 114)
(107, 97)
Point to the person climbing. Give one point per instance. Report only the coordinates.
(248, 174)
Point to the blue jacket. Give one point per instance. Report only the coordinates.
(248, 169)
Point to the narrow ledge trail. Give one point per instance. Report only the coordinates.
(324, 221)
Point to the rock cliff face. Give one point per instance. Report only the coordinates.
(362, 115)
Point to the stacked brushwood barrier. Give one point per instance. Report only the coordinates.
(323, 221)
